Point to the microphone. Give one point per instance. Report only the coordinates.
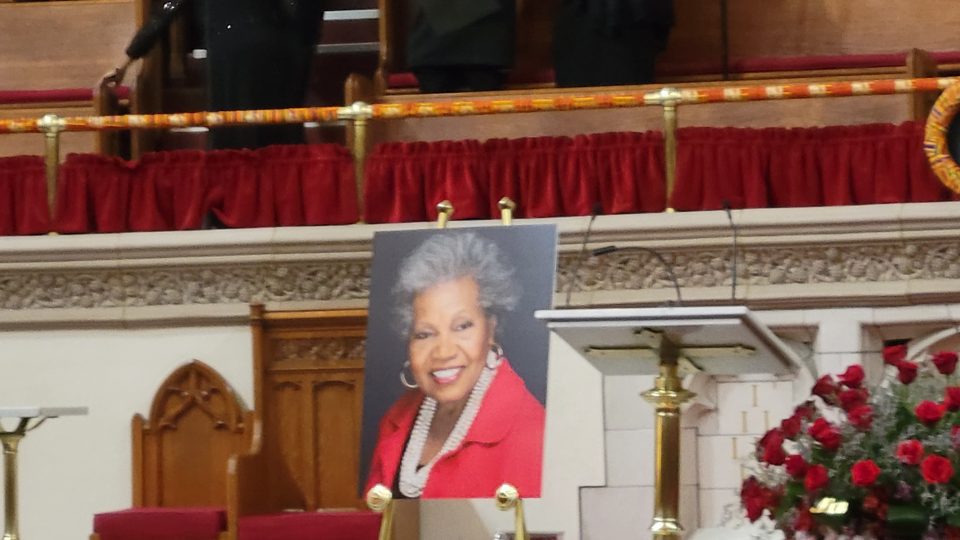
(733, 255)
(666, 265)
(594, 211)
(151, 30)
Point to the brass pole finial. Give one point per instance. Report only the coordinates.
(380, 500)
(444, 213)
(508, 497)
(507, 207)
(51, 125)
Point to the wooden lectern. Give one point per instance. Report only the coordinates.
(727, 340)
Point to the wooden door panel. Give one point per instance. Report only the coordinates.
(337, 439)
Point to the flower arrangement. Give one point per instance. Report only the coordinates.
(881, 462)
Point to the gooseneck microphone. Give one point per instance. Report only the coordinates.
(595, 210)
(734, 254)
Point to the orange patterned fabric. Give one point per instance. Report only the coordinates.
(489, 106)
(935, 138)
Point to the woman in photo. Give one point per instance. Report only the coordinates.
(468, 423)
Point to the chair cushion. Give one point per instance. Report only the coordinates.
(311, 526)
(161, 524)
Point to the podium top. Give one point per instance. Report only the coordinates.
(718, 340)
(36, 412)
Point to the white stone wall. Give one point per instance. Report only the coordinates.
(74, 467)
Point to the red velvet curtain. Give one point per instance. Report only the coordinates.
(829, 166)
(273, 186)
(624, 172)
(93, 194)
(547, 176)
(23, 196)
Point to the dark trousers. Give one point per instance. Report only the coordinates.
(259, 55)
(435, 80)
(585, 54)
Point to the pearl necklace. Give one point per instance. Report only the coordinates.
(412, 479)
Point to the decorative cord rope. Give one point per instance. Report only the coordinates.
(689, 96)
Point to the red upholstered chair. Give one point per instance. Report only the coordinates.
(311, 526)
(180, 459)
(161, 524)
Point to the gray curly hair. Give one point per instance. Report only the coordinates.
(447, 256)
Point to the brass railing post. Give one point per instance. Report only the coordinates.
(359, 113)
(669, 99)
(51, 125)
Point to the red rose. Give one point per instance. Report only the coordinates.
(929, 412)
(894, 354)
(853, 376)
(825, 434)
(946, 362)
(774, 455)
(852, 398)
(805, 410)
(861, 417)
(936, 469)
(870, 504)
(790, 427)
(951, 398)
(771, 447)
(796, 466)
(825, 388)
(804, 520)
(757, 497)
(816, 477)
(906, 372)
(864, 473)
(910, 451)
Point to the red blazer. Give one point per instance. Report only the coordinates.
(504, 444)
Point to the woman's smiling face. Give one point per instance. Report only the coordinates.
(450, 338)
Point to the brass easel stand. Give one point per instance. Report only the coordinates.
(507, 207)
(444, 213)
(508, 497)
(380, 500)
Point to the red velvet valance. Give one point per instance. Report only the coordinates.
(548, 176)
(273, 186)
(624, 172)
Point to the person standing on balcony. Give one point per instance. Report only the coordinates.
(461, 45)
(259, 54)
(609, 42)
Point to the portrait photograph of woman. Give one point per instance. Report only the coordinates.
(456, 365)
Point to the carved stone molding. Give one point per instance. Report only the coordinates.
(888, 249)
(632, 269)
(226, 284)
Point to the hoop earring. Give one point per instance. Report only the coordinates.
(403, 377)
(495, 357)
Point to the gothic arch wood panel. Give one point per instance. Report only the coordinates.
(180, 452)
